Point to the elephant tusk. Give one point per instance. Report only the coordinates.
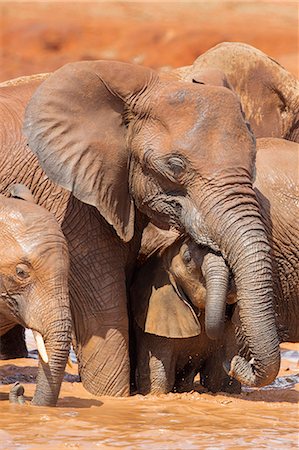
(40, 346)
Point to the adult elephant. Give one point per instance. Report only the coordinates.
(130, 144)
(277, 190)
(180, 292)
(269, 94)
(34, 286)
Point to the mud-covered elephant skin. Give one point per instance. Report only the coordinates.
(168, 299)
(132, 144)
(277, 190)
(178, 279)
(34, 266)
(269, 94)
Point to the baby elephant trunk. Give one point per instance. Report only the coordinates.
(216, 274)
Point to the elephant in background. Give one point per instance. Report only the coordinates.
(269, 94)
(123, 144)
(179, 329)
(277, 191)
(34, 266)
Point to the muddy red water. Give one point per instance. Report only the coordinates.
(266, 418)
(39, 37)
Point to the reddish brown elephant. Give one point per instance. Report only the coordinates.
(34, 267)
(269, 94)
(123, 144)
(169, 295)
(182, 291)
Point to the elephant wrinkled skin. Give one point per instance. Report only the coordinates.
(269, 94)
(34, 286)
(168, 299)
(277, 190)
(131, 144)
(177, 279)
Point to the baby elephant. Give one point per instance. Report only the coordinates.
(168, 297)
(34, 285)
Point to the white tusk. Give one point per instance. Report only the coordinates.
(40, 346)
(251, 361)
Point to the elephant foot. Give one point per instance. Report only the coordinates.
(16, 395)
(231, 386)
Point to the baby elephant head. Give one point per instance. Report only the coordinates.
(34, 285)
(178, 282)
(201, 276)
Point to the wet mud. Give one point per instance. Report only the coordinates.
(264, 418)
(36, 37)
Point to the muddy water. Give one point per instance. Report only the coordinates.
(258, 419)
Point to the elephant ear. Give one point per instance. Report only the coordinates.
(158, 309)
(74, 124)
(210, 76)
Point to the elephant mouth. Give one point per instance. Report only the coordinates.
(184, 297)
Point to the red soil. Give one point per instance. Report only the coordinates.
(42, 36)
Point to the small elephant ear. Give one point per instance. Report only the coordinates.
(74, 124)
(159, 310)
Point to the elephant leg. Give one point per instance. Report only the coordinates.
(13, 344)
(213, 376)
(155, 372)
(98, 301)
(184, 381)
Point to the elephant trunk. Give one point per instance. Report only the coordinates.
(253, 279)
(216, 274)
(57, 339)
(234, 224)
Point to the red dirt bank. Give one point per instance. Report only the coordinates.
(41, 36)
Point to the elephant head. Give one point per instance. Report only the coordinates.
(269, 94)
(203, 277)
(178, 282)
(121, 136)
(34, 286)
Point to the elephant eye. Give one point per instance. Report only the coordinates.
(22, 271)
(187, 256)
(176, 165)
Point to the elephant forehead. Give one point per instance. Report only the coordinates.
(213, 99)
(12, 256)
(30, 238)
(188, 113)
